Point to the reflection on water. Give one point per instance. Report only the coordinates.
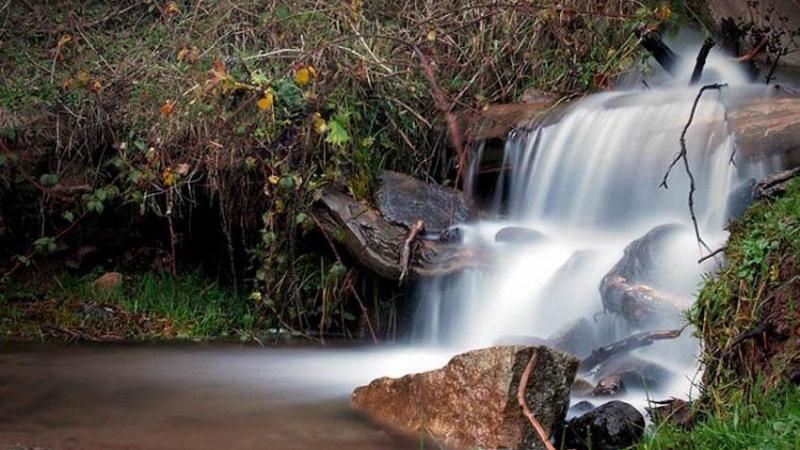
(194, 397)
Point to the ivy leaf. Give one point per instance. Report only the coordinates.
(49, 179)
(337, 134)
(45, 244)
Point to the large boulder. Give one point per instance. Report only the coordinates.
(403, 200)
(472, 401)
(626, 289)
(611, 426)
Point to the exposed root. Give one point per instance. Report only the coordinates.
(523, 383)
(602, 354)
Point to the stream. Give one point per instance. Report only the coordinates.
(194, 396)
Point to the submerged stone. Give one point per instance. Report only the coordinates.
(472, 401)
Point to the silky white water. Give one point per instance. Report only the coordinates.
(590, 184)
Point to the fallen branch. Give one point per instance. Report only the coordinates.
(405, 253)
(523, 384)
(664, 55)
(701, 61)
(602, 354)
(682, 155)
(775, 184)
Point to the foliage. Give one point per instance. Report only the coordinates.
(185, 307)
(250, 108)
(771, 420)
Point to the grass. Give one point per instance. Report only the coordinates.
(770, 421)
(748, 400)
(146, 306)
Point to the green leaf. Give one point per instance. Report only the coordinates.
(95, 206)
(337, 271)
(68, 216)
(300, 218)
(337, 134)
(49, 179)
(45, 244)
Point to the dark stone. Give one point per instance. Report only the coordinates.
(634, 372)
(740, 199)
(611, 426)
(403, 200)
(519, 235)
(577, 338)
(580, 408)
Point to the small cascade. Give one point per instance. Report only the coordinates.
(580, 191)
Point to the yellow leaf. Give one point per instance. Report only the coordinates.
(431, 36)
(172, 8)
(273, 179)
(97, 86)
(182, 54)
(66, 39)
(664, 12)
(303, 75)
(320, 126)
(83, 76)
(265, 102)
(168, 178)
(167, 107)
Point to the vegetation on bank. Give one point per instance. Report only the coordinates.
(149, 306)
(748, 319)
(205, 129)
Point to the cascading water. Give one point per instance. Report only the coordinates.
(590, 185)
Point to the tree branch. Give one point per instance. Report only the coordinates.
(523, 383)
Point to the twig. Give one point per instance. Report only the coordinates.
(712, 254)
(701, 61)
(523, 384)
(682, 155)
(601, 354)
(405, 253)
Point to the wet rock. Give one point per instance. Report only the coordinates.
(634, 372)
(108, 281)
(611, 426)
(610, 386)
(519, 235)
(740, 199)
(580, 408)
(472, 401)
(625, 289)
(580, 387)
(576, 338)
(403, 200)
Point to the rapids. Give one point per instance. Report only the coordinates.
(590, 184)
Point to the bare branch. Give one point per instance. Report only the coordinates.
(682, 155)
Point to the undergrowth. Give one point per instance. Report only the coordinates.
(153, 108)
(748, 321)
(145, 306)
(769, 421)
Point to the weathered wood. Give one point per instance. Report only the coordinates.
(775, 184)
(376, 244)
(666, 58)
(702, 55)
(600, 355)
(625, 290)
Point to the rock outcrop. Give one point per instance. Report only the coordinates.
(472, 401)
(403, 200)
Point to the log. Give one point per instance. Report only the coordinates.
(666, 58)
(775, 185)
(376, 244)
(697, 73)
(600, 355)
(625, 290)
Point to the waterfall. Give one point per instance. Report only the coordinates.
(589, 185)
